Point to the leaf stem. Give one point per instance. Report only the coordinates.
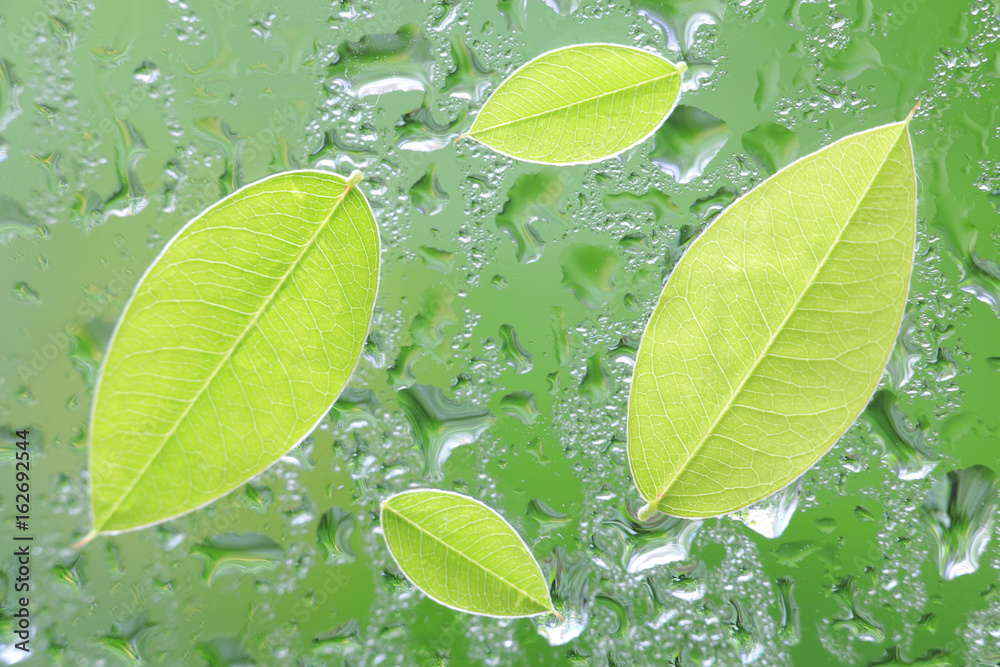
(647, 511)
(85, 541)
(353, 180)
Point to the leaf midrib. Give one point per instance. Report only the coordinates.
(466, 557)
(348, 186)
(708, 433)
(473, 132)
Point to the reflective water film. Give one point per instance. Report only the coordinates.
(512, 300)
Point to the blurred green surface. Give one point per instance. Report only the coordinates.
(513, 297)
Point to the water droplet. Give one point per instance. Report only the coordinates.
(859, 55)
(825, 525)
(334, 536)
(440, 424)
(427, 194)
(24, 293)
(224, 651)
(147, 72)
(744, 633)
(10, 90)
(258, 497)
(687, 142)
(26, 397)
(858, 622)
(545, 519)
(588, 272)
(570, 595)
(521, 405)
(980, 277)
(437, 259)
(647, 544)
(594, 384)
(790, 631)
(532, 200)
(959, 514)
(513, 351)
(773, 146)
(862, 513)
(770, 516)
(900, 440)
(240, 552)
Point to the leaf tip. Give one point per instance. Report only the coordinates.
(913, 111)
(85, 541)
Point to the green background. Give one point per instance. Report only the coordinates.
(512, 300)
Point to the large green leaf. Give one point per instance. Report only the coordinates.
(234, 345)
(463, 554)
(774, 328)
(579, 104)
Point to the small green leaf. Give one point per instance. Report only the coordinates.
(579, 104)
(463, 555)
(235, 344)
(773, 329)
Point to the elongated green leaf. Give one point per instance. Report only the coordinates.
(774, 328)
(463, 554)
(234, 345)
(579, 104)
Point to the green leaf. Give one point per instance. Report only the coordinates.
(235, 344)
(463, 554)
(773, 329)
(579, 104)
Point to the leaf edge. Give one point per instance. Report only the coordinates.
(352, 181)
(652, 504)
(383, 507)
(681, 67)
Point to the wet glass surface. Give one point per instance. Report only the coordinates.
(513, 298)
